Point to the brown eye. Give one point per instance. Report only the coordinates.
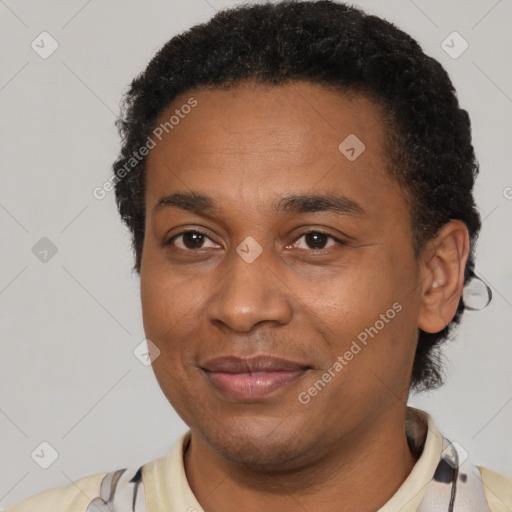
(191, 240)
(317, 240)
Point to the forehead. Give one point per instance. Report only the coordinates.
(254, 141)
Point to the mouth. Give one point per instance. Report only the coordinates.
(250, 379)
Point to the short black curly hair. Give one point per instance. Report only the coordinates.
(336, 45)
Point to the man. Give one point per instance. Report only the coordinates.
(298, 180)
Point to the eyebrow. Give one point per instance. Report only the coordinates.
(303, 203)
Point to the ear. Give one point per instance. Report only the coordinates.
(442, 267)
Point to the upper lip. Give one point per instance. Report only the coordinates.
(233, 364)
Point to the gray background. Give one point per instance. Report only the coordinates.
(68, 375)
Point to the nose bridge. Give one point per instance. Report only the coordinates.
(250, 292)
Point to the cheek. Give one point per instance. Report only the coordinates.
(368, 307)
(354, 297)
(170, 320)
(167, 300)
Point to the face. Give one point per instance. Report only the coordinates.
(281, 244)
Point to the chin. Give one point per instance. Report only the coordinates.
(254, 442)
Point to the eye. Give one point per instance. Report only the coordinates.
(317, 238)
(191, 240)
(194, 240)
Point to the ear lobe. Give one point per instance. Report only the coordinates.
(443, 276)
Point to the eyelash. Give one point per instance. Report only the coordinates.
(316, 231)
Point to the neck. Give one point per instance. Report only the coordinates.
(361, 473)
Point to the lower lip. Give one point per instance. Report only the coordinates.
(252, 386)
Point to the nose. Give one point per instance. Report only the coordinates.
(250, 293)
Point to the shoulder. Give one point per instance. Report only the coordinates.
(117, 491)
(498, 490)
(75, 496)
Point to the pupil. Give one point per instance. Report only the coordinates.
(196, 237)
(313, 239)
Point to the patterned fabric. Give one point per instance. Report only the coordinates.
(121, 491)
(457, 484)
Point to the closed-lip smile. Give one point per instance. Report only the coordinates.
(251, 379)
